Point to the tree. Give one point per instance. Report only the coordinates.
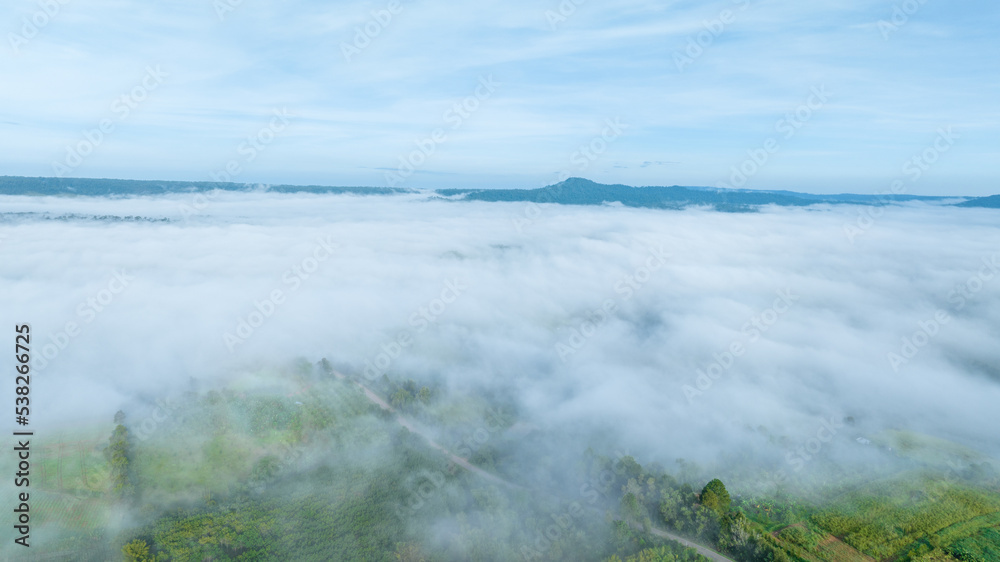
(748, 541)
(137, 551)
(716, 498)
(627, 467)
(119, 417)
(265, 469)
(737, 531)
(633, 511)
(401, 399)
(408, 552)
(325, 365)
(118, 453)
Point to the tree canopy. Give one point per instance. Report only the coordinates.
(715, 497)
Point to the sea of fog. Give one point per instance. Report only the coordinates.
(673, 331)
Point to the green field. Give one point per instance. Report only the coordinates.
(298, 464)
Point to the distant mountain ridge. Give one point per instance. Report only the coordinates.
(991, 202)
(17, 185)
(579, 191)
(573, 191)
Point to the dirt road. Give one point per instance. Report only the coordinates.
(464, 463)
(413, 427)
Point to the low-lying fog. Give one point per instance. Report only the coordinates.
(672, 331)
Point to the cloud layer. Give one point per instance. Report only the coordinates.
(597, 319)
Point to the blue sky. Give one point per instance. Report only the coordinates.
(201, 77)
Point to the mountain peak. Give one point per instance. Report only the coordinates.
(577, 181)
(584, 183)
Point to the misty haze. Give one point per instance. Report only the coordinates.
(410, 281)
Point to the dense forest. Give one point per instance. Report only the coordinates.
(16, 185)
(302, 464)
(579, 191)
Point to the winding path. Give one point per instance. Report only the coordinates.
(464, 463)
(414, 428)
(702, 550)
